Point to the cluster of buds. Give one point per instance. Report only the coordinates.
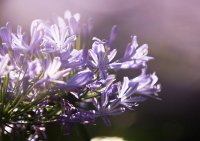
(52, 77)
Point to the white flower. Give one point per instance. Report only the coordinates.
(107, 139)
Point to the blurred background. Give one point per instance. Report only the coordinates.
(171, 28)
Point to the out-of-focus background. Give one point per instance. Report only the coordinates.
(171, 28)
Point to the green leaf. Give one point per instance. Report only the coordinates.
(90, 94)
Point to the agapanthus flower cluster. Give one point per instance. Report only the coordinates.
(50, 76)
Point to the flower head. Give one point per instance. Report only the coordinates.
(50, 77)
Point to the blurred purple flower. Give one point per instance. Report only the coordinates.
(5, 34)
(113, 35)
(73, 21)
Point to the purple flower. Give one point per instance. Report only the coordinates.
(105, 107)
(53, 72)
(5, 34)
(57, 39)
(81, 78)
(73, 21)
(75, 59)
(76, 83)
(71, 114)
(134, 57)
(146, 84)
(19, 40)
(107, 104)
(101, 57)
(113, 35)
(125, 91)
(102, 84)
